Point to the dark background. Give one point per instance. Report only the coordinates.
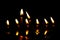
(36, 8)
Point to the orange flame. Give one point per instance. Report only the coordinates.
(21, 12)
(52, 20)
(45, 21)
(37, 21)
(45, 32)
(27, 32)
(26, 20)
(17, 33)
(16, 20)
(7, 22)
(37, 32)
(27, 15)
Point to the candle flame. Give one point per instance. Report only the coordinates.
(16, 20)
(37, 32)
(27, 15)
(45, 21)
(26, 20)
(17, 33)
(21, 12)
(7, 22)
(52, 20)
(45, 32)
(37, 21)
(27, 32)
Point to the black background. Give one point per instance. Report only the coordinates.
(36, 8)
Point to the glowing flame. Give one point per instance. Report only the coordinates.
(26, 20)
(27, 15)
(37, 32)
(37, 21)
(7, 22)
(17, 33)
(45, 21)
(52, 20)
(45, 32)
(21, 12)
(27, 32)
(16, 20)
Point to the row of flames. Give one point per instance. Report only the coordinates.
(27, 22)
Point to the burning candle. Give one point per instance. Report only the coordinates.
(21, 12)
(45, 32)
(27, 32)
(52, 20)
(16, 20)
(26, 20)
(21, 15)
(28, 16)
(37, 22)
(17, 33)
(37, 32)
(7, 22)
(45, 21)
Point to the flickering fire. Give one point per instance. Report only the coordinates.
(27, 32)
(16, 20)
(28, 16)
(45, 32)
(26, 20)
(7, 22)
(37, 21)
(52, 20)
(45, 21)
(37, 32)
(21, 12)
(17, 33)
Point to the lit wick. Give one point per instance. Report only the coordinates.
(26, 20)
(37, 22)
(37, 32)
(21, 12)
(27, 32)
(45, 32)
(7, 22)
(28, 16)
(21, 15)
(52, 20)
(45, 21)
(16, 20)
(17, 33)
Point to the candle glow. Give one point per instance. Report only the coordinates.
(37, 32)
(45, 32)
(17, 33)
(37, 21)
(45, 21)
(27, 31)
(16, 20)
(7, 22)
(21, 12)
(26, 20)
(52, 20)
(27, 15)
